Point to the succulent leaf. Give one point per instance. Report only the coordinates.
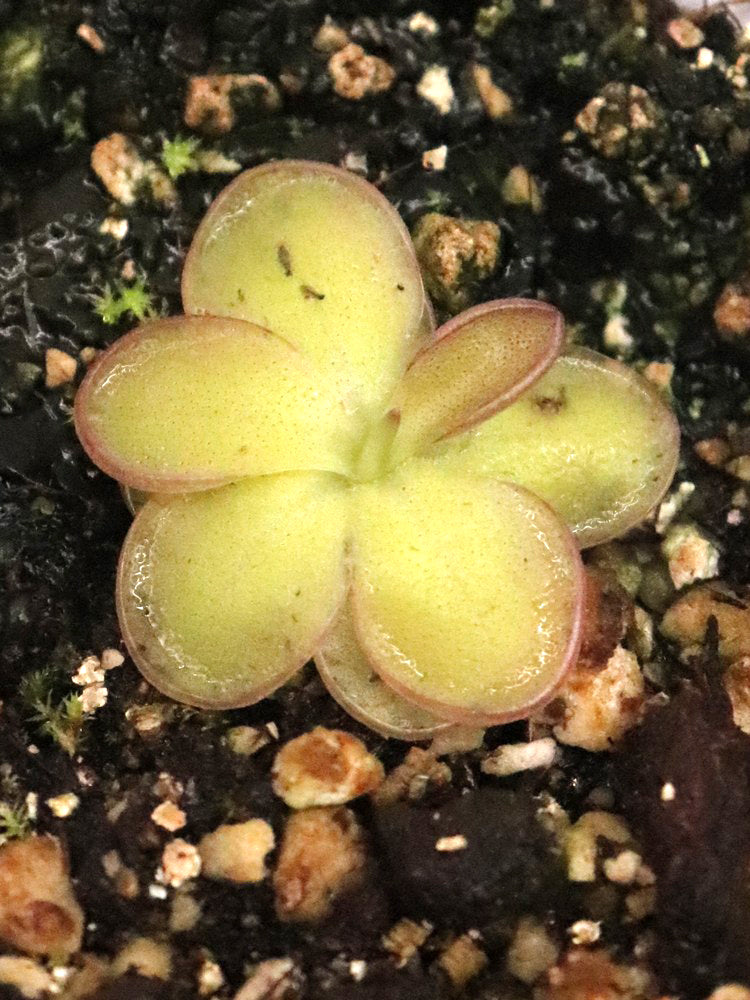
(467, 592)
(223, 595)
(592, 438)
(319, 256)
(478, 364)
(187, 404)
(350, 679)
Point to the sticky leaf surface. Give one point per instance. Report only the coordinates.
(223, 595)
(480, 362)
(350, 679)
(319, 256)
(466, 592)
(591, 437)
(183, 404)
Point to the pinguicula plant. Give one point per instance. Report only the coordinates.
(330, 478)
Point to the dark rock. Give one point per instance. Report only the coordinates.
(508, 867)
(697, 842)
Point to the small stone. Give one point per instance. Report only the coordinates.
(739, 468)
(246, 740)
(685, 33)
(237, 851)
(59, 368)
(713, 451)
(422, 24)
(330, 37)
(91, 37)
(659, 373)
(435, 159)
(322, 855)
(496, 103)
(732, 311)
(462, 961)
(88, 354)
(435, 86)
(411, 779)
(356, 74)
(89, 672)
(324, 767)
(704, 58)
(737, 685)
(93, 697)
(210, 978)
(623, 868)
(599, 707)
(454, 255)
(209, 102)
(180, 861)
(531, 952)
(621, 120)
(520, 188)
(111, 658)
(405, 939)
(582, 842)
(690, 555)
(62, 806)
(146, 956)
(29, 978)
(39, 913)
(358, 970)
(117, 228)
(270, 980)
(454, 843)
(169, 817)
(185, 914)
(124, 172)
(585, 931)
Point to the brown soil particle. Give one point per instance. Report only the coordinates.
(210, 101)
(356, 74)
(39, 913)
(322, 855)
(325, 767)
(507, 867)
(237, 851)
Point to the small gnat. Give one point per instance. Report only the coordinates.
(455, 843)
(668, 792)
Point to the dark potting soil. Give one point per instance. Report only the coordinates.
(666, 219)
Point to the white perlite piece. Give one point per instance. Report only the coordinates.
(456, 843)
(585, 932)
(435, 159)
(180, 861)
(601, 705)
(62, 806)
(515, 757)
(672, 505)
(690, 555)
(435, 86)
